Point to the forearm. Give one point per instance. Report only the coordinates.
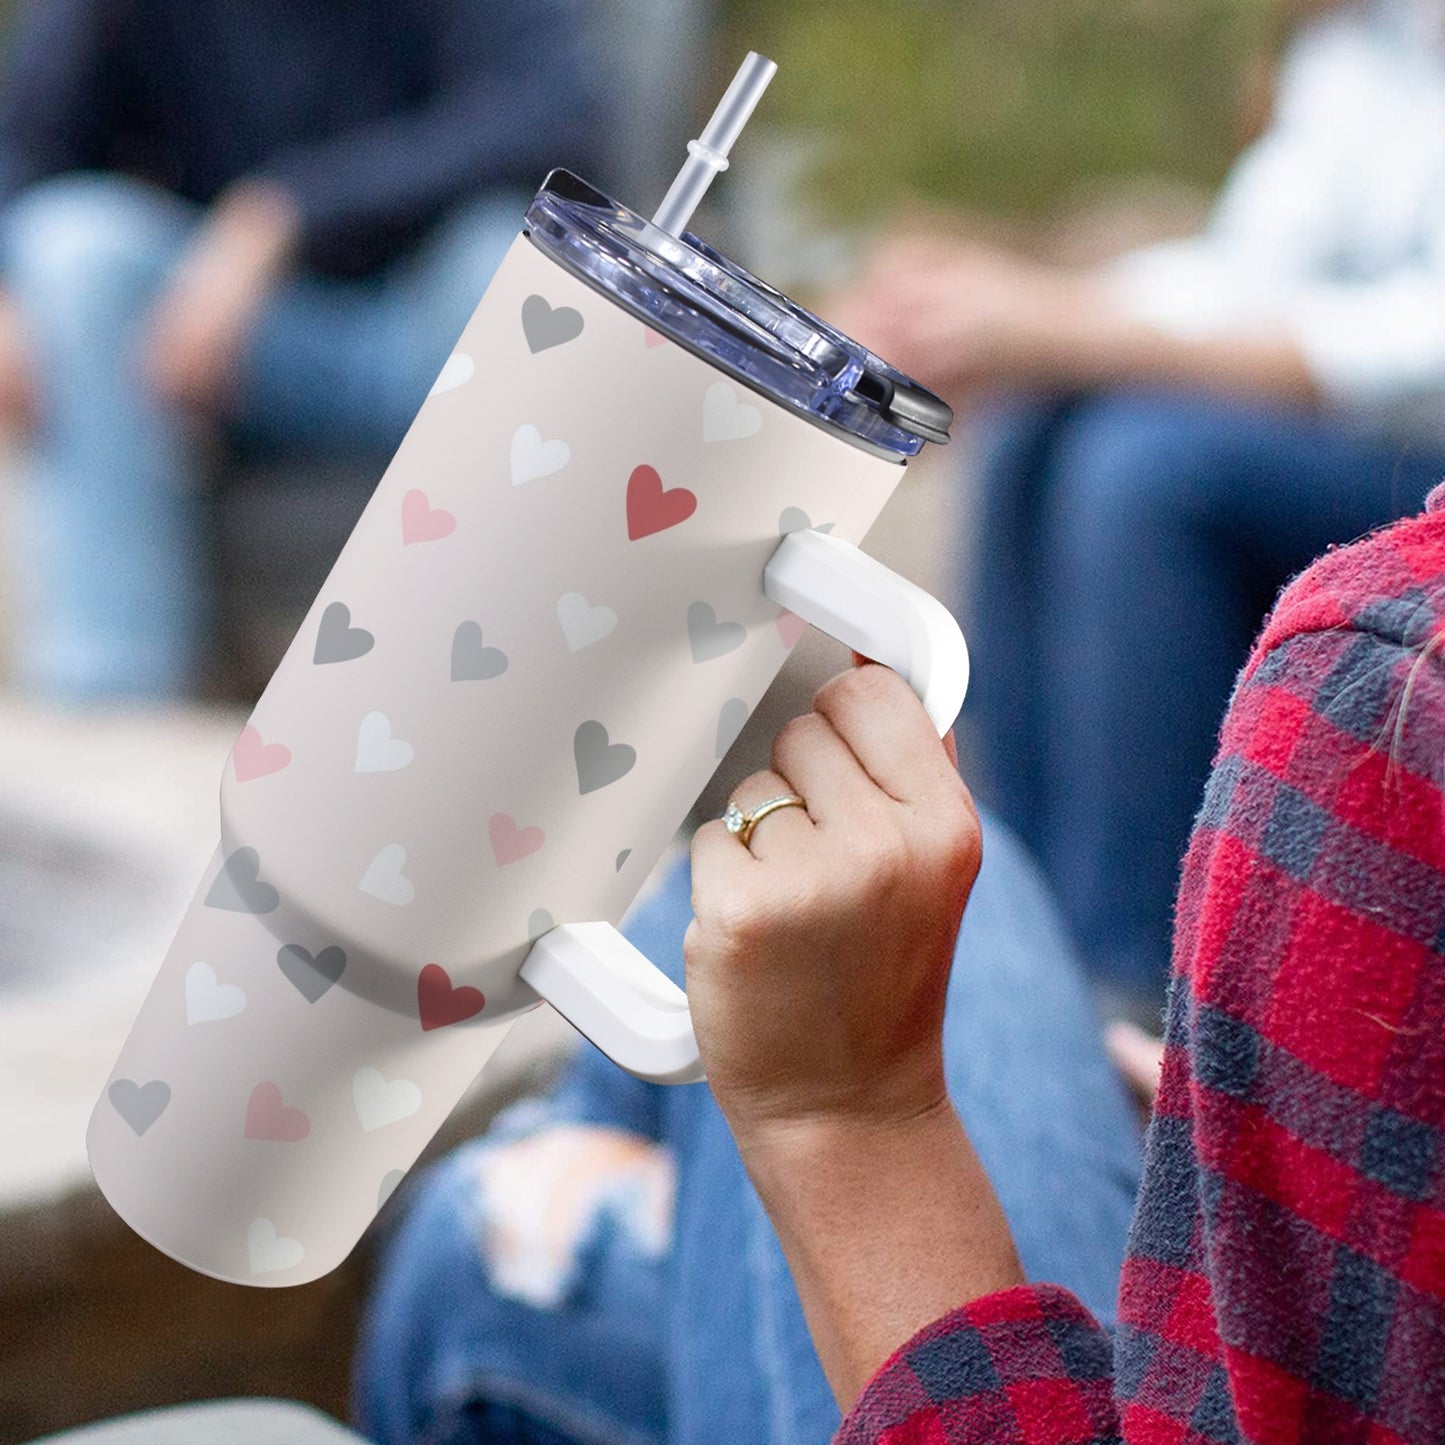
(885, 1228)
(1103, 346)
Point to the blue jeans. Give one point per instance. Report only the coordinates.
(1129, 546)
(700, 1339)
(115, 518)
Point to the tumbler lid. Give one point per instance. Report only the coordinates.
(695, 296)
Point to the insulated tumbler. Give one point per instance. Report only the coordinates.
(639, 475)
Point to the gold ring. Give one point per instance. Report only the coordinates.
(742, 824)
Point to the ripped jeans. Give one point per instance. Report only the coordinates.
(599, 1271)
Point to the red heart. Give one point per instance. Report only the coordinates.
(439, 1004)
(651, 338)
(509, 842)
(253, 758)
(650, 509)
(268, 1118)
(790, 627)
(422, 522)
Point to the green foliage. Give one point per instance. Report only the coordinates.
(1006, 105)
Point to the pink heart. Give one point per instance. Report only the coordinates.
(422, 522)
(651, 509)
(652, 338)
(509, 842)
(790, 627)
(268, 1118)
(253, 758)
(439, 1004)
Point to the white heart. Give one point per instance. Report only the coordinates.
(384, 879)
(207, 999)
(582, 623)
(725, 418)
(381, 1101)
(533, 458)
(457, 369)
(376, 750)
(269, 1251)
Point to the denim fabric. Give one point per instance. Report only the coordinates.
(1129, 547)
(705, 1343)
(114, 526)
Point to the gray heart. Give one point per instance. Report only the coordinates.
(311, 973)
(337, 640)
(140, 1105)
(539, 923)
(389, 1181)
(238, 885)
(709, 637)
(546, 326)
(795, 519)
(472, 659)
(730, 723)
(622, 857)
(598, 761)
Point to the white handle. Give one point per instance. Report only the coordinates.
(589, 972)
(856, 599)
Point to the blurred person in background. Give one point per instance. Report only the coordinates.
(263, 221)
(1162, 443)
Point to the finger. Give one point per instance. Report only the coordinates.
(783, 829)
(1138, 1056)
(881, 719)
(825, 771)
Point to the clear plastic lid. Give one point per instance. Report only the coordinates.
(690, 293)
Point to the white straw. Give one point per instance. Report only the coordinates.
(708, 155)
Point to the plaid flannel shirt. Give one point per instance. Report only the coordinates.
(1285, 1282)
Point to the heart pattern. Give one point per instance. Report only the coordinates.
(377, 751)
(726, 417)
(457, 368)
(337, 640)
(388, 1184)
(546, 326)
(140, 1105)
(599, 760)
(472, 659)
(238, 886)
(422, 522)
(533, 458)
(510, 844)
(252, 758)
(710, 638)
(730, 723)
(582, 623)
(384, 879)
(269, 1117)
(207, 999)
(439, 1004)
(651, 508)
(795, 519)
(311, 974)
(486, 522)
(381, 1101)
(790, 627)
(268, 1252)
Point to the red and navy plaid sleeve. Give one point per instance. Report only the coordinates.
(1285, 1282)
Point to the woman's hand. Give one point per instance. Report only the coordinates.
(817, 967)
(203, 317)
(819, 956)
(963, 316)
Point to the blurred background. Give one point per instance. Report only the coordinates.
(1064, 131)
